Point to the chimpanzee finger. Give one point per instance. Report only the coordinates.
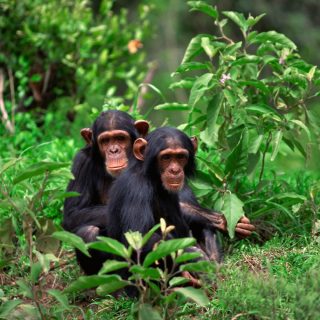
(244, 220)
(243, 232)
(246, 226)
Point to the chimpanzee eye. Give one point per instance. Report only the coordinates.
(181, 156)
(165, 157)
(105, 140)
(121, 138)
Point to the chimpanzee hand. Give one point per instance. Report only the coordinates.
(244, 228)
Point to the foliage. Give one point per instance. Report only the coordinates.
(247, 100)
(160, 289)
(68, 56)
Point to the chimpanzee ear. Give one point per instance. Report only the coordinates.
(194, 141)
(142, 127)
(86, 134)
(139, 147)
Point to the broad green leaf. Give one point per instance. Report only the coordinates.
(146, 312)
(199, 88)
(262, 109)
(215, 170)
(197, 295)
(184, 84)
(178, 281)
(60, 297)
(194, 48)
(167, 247)
(72, 240)
(186, 256)
(276, 144)
(303, 126)
(112, 265)
(232, 208)
(204, 8)
(273, 37)
(238, 19)
(111, 286)
(246, 59)
(207, 46)
(35, 272)
(289, 196)
(230, 97)
(199, 266)
(255, 145)
(88, 282)
(213, 110)
(25, 289)
(39, 169)
(237, 160)
(173, 106)
(111, 246)
(145, 273)
(148, 235)
(134, 239)
(257, 84)
(191, 66)
(7, 307)
(254, 20)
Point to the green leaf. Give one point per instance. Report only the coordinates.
(173, 107)
(186, 256)
(232, 208)
(255, 145)
(246, 59)
(297, 198)
(199, 88)
(262, 109)
(72, 240)
(111, 246)
(24, 289)
(134, 239)
(207, 46)
(254, 20)
(199, 266)
(167, 247)
(191, 66)
(8, 165)
(111, 286)
(194, 48)
(303, 126)
(273, 37)
(238, 19)
(257, 84)
(276, 144)
(146, 273)
(184, 84)
(197, 295)
(36, 270)
(204, 8)
(7, 307)
(213, 110)
(146, 312)
(39, 169)
(60, 297)
(178, 281)
(148, 235)
(112, 265)
(88, 282)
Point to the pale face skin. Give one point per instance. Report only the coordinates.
(172, 162)
(113, 146)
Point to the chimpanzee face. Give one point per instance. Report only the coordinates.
(114, 146)
(171, 163)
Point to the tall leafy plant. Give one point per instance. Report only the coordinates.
(248, 97)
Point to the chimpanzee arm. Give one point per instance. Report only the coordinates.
(82, 209)
(194, 213)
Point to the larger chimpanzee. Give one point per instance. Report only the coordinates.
(149, 189)
(108, 151)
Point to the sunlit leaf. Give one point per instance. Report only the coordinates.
(196, 295)
(204, 8)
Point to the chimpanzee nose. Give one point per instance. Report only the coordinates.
(114, 149)
(175, 170)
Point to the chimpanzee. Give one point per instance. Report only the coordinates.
(106, 155)
(149, 189)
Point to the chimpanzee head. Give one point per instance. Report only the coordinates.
(112, 136)
(168, 156)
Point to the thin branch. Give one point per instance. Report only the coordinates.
(5, 118)
(12, 94)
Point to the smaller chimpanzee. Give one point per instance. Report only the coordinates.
(106, 155)
(149, 189)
